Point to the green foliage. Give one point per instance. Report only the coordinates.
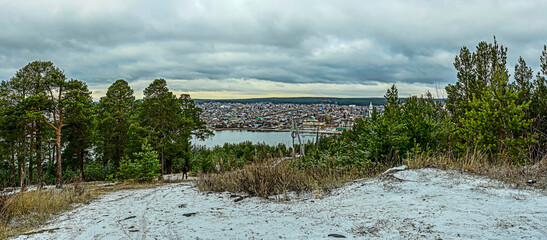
(206, 164)
(169, 122)
(489, 113)
(94, 171)
(143, 167)
(233, 156)
(523, 84)
(113, 121)
(49, 175)
(79, 124)
(538, 110)
(178, 164)
(475, 70)
(33, 95)
(70, 175)
(383, 139)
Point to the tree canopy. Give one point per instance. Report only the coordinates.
(47, 117)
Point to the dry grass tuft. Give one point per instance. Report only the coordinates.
(21, 212)
(263, 180)
(477, 163)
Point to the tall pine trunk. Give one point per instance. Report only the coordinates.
(22, 173)
(52, 153)
(117, 154)
(81, 165)
(59, 177)
(39, 176)
(30, 162)
(161, 160)
(19, 179)
(12, 164)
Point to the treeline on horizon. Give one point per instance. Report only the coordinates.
(302, 100)
(50, 128)
(306, 100)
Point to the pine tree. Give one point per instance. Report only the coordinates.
(485, 108)
(79, 124)
(494, 122)
(538, 109)
(114, 113)
(523, 81)
(143, 167)
(35, 94)
(159, 113)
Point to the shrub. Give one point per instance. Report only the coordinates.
(71, 175)
(94, 171)
(144, 167)
(178, 163)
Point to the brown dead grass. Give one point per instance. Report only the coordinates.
(23, 212)
(477, 163)
(264, 180)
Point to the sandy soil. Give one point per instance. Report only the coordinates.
(412, 204)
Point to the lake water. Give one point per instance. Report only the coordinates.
(237, 136)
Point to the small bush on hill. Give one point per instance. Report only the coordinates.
(94, 171)
(144, 167)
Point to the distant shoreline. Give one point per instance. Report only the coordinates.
(275, 130)
(376, 101)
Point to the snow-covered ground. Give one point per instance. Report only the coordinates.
(413, 204)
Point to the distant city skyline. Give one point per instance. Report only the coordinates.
(251, 49)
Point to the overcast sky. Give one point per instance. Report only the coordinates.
(241, 49)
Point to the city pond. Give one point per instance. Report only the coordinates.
(238, 136)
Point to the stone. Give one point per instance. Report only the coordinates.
(189, 214)
(128, 218)
(395, 169)
(239, 199)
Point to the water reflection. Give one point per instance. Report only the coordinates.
(237, 136)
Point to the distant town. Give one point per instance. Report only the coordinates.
(267, 116)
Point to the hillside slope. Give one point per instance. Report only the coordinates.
(412, 204)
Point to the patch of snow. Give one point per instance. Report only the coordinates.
(413, 204)
(395, 169)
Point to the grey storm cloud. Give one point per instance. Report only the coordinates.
(293, 42)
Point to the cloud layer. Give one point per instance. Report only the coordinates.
(257, 48)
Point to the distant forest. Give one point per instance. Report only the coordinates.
(303, 100)
(307, 100)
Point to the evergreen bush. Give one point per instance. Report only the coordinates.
(144, 167)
